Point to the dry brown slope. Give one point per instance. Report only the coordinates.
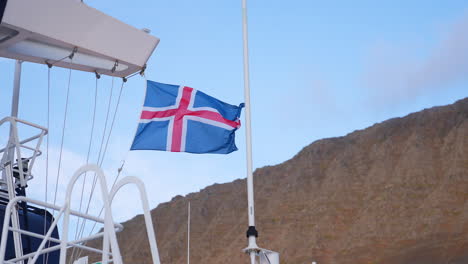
(395, 193)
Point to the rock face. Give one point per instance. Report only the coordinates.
(396, 192)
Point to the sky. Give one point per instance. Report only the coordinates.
(319, 69)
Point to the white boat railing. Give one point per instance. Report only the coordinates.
(110, 251)
(146, 212)
(19, 150)
(17, 174)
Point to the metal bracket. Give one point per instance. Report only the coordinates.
(252, 232)
(115, 66)
(73, 53)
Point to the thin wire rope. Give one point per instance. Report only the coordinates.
(112, 124)
(102, 160)
(90, 139)
(113, 184)
(87, 162)
(63, 138)
(106, 122)
(123, 161)
(61, 145)
(47, 155)
(98, 160)
(107, 141)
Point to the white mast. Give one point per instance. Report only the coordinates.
(251, 232)
(266, 256)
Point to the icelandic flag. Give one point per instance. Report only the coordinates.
(182, 119)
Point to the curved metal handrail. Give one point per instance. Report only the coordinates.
(146, 213)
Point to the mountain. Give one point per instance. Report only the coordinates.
(396, 192)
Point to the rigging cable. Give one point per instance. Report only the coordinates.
(90, 138)
(101, 157)
(125, 79)
(119, 171)
(47, 154)
(63, 133)
(113, 120)
(63, 138)
(64, 120)
(87, 159)
(142, 73)
(99, 154)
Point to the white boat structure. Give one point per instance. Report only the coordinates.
(72, 35)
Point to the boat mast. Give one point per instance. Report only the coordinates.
(251, 232)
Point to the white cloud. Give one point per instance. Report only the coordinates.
(396, 74)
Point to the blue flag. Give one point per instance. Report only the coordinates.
(182, 119)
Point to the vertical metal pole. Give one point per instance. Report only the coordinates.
(16, 89)
(11, 156)
(188, 235)
(15, 105)
(251, 233)
(17, 242)
(10, 152)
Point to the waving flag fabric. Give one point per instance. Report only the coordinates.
(182, 119)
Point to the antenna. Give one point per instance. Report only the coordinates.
(252, 249)
(251, 232)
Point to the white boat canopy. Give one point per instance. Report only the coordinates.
(49, 31)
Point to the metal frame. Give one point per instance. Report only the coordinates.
(76, 243)
(12, 151)
(110, 228)
(110, 244)
(14, 212)
(59, 37)
(14, 147)
(109, 231)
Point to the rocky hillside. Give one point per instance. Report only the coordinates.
(396, 192)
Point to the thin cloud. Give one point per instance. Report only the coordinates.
(396, 75)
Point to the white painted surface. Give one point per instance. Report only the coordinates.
(70, 24)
